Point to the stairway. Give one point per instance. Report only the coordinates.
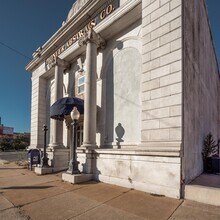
(204, 189)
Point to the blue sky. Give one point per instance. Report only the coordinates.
(214, 16)
(26, 25)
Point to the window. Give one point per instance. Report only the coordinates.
(81, 85)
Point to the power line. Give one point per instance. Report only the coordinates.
(16, 51)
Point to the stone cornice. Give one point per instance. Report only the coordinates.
(81, 16)
(112, 19)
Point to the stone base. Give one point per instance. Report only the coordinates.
(43, 170)
(76, 178)
(125, 168)
(58, 159)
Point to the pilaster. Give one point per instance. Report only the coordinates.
(38, 112)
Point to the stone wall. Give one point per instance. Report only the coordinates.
(134, 169)
(201, 86)
(162, 71)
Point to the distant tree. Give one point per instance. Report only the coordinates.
(210, 148)
(6, 143)
(20, 142)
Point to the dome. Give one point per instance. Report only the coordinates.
(75, 8)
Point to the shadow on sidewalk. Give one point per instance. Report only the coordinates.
(11, 168)
(26, 187)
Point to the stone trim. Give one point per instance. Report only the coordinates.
(146, 151)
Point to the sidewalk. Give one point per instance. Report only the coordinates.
(24, 195)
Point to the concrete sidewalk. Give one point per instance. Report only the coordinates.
(24, 195)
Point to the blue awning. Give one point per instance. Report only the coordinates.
(64, 106)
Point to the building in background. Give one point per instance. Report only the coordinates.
(6, 131)
(148, 73)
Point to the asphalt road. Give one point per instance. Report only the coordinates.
(13, 156)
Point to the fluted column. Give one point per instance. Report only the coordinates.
(57, 128)
(92, 42)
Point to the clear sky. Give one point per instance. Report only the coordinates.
(214, 16)
(26, 25)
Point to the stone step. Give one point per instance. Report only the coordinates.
(204, 189)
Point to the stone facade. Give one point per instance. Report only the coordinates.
(201, 86)
(162, 72)
(146, 85)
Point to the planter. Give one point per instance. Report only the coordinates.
(207, 165)
(211, 165)
(216, 165)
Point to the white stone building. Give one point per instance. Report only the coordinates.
(148, 72)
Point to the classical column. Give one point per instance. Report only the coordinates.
(92, 42)
(57, 128)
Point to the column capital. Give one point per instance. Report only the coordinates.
(92, 37)
(58, 62)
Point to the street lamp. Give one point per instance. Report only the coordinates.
(73, 164)
(44, 160)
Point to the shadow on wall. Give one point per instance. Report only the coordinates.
(105, 114)
(120, 131)
(107, 103)
(121, 94)
(90, 165)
